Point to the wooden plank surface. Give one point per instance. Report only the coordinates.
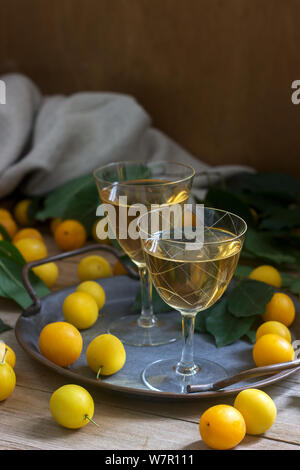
(124, 422)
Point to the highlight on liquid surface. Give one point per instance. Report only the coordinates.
(192, 280)
(147, 192)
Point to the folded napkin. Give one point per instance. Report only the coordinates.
(48, 140)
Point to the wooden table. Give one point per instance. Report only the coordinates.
(124, 423)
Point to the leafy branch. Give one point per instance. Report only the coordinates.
(11, 286)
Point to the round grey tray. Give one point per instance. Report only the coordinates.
(120, 295)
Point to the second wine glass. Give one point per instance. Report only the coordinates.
(191, 266)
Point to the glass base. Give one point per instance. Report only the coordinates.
(162, 375)
(166, 329)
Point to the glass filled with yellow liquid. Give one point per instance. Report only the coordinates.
(127, 189)
(191, 267)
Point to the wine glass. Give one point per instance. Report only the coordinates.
(123, 185)
(191, 265)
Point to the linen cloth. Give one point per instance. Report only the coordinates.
(46, 141)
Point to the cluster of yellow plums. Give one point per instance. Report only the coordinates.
(254, 412)
(223, 427)
(61, 342)
(273, 338)
(28, 240)
(68, 235)
(7, 374)
(71, 405)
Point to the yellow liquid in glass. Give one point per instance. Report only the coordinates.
(193, 280)
(147, 192)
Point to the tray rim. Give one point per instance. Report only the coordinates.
(144, 393)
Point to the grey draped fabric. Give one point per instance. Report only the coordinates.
(48, 140)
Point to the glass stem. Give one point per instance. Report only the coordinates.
(186, 366)
(147, 318)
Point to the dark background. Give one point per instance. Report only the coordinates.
(214, 74)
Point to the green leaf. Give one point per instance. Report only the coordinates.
(247, 255)
(12, 286)
(282, 218)
(34, 207)
(57, 201)
(251, 335)
(83, 208)
(294, 287)
(294, 239)
(226, 200)
(242, 271)
(297, 256)
(264, 245)
(276, 185)
(200, 322)
(4, 233)
(8, 250)
(249, 298)
(4, 327)
(77, 199)
(286, 280)
(264, 204)
(225, 327)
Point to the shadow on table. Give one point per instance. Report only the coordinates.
(197, 445)
(294, 401)
(45, 428)
(200, 445)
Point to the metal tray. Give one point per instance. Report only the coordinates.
(120, 294)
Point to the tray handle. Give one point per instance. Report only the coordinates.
(245, 374)
(36, 306)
